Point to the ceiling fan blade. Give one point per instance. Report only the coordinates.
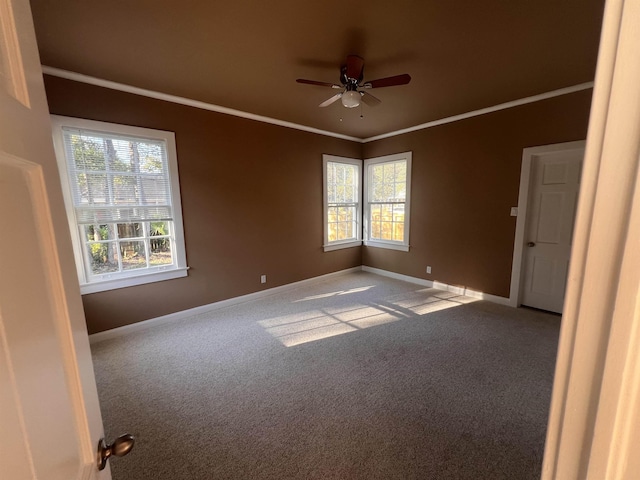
(321, 84)
(355, 64)
(328, 102)
(370, 99)
(388, 81)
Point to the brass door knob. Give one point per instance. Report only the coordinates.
(120, 447)
(531, 244)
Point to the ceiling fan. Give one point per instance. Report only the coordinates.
(353, 89)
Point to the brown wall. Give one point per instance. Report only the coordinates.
(252, 198)
(465, 178)
(251, 201)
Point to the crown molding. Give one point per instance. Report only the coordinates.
(483, 111)
(79, 77)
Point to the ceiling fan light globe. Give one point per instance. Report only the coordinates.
(351, 99)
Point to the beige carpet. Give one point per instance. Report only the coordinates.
(357, 377)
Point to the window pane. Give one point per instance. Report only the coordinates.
(341, 223)
(389, 172)
(398, 231)
(103, 257)
(344, 231)
(124, 190)
(154, 190)
(133, 255)
(332, 218)
(388, 192)
(349, 174)
(150, 159)
(387, 221)
(398, 212)
(130, 230)
(349, 196)
(378, 193)
(381, 221)
(388, 182)
(159, 228)
(331, 175)
(87, 153)
(398, 222)
(343, 214)
(96, 233)
(342, 182)
(400, 172)
(92, 188)
(331, 193)
(160, 252)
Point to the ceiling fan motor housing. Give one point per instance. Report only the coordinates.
(348, 81)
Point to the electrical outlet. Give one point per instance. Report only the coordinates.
(429, 269)
(263, 279)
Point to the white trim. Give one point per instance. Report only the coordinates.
(528, 157)
(594, 411)
(439, 285)
(340, 245)
(153, 322)
(483, 111)
(354, 242)
(389, 244)
(104, 283)
(125, 282)
(78, 77)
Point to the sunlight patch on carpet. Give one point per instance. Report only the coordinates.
(333, 294)
(332, 320)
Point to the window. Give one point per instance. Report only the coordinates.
(387, 194)
(122, 198)
(342, 194)
(387, 183)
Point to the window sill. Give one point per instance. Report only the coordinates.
(390, 246)
(337, 246)
(104, 285)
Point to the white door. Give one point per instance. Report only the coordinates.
(50, 420)
(555, 182)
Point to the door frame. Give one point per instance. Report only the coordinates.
(529, 156)
(596, 393)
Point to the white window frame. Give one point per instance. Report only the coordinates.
(339, 244)
(133, 277)
(390, 244)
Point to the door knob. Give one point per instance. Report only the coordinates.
(531, 244)
(120, 447)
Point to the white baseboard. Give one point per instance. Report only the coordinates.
(145, 324)
(439, 286)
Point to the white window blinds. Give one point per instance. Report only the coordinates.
(117, 178)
